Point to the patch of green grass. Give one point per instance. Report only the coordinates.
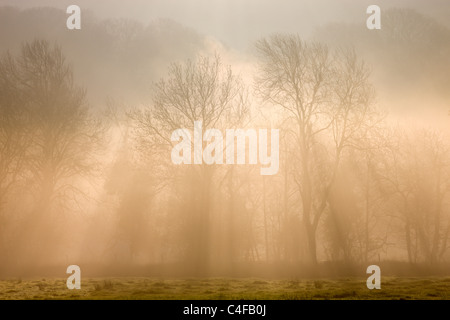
(222, 288)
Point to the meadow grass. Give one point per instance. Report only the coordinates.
(135, 288)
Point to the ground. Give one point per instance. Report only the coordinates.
(223, 288)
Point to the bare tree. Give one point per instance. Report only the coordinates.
(196, 90)
(51, 138)
(415, 178)
(14, 139)
(65, 136)
(326, 95)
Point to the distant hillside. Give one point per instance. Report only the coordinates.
(117, 58)
(410, 57)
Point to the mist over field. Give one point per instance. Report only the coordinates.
(86, 119)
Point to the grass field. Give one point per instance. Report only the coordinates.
(223, 288)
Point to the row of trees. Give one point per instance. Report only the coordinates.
(350, 187)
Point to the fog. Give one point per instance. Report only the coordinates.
(87, 122)
(238, 23)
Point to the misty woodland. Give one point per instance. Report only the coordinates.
(355, 173)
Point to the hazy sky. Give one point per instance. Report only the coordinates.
(238, 23)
